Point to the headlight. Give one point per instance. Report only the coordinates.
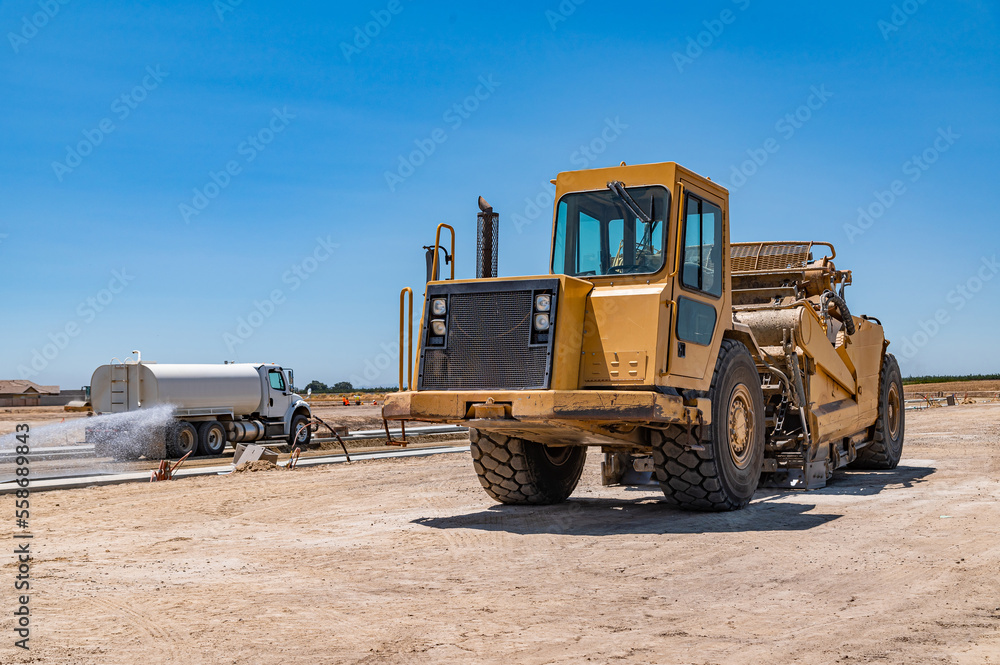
(439, 306)
(543, 303)
(541, 322)
(439, 328)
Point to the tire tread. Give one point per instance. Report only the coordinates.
(508, 475)
(690, 478)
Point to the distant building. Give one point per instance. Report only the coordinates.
(24, 393)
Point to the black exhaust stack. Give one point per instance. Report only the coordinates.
(487, 241)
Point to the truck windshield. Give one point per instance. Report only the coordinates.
(597, 234)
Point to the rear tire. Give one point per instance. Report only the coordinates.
(516, 471)
(886, 448)
(303, 437)
(725, 474)
(182, 438)
(211, 438)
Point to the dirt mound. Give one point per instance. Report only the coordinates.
(256, 465)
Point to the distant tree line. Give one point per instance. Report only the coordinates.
(342, 387)
(910, 380)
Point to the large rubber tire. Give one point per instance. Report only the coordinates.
(516, 471)
(887, 445)
(182, 438)
(724, 474)
(211, 438)
(305, 437)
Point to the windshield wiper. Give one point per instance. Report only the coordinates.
(619, 189)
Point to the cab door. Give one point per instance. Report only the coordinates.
(279, 392)
(699, 291)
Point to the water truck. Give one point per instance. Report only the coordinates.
(207, 406)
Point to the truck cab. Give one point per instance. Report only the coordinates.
(627, 261)
(278, 390)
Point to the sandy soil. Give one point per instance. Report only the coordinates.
(353, 417)
(408, 561)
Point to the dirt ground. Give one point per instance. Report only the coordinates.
(408, 561)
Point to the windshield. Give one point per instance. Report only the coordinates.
(597, 233)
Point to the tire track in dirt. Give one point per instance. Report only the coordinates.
(155, 635)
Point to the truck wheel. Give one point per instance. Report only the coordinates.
(887, 447)
(720, 470)
(304, 436)
(182, 438)
(211, 438)
(517, 471)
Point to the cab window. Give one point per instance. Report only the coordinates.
(277, 380)
(695, 321)
(598, 234)
(702, 246)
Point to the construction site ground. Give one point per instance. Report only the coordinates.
(953, 387)
(408, 561)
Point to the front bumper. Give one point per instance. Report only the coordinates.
(607, 418)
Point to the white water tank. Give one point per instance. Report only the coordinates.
(118, 388)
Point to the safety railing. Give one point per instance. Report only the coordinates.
(406, 313)
(406, 335)
(437, 245)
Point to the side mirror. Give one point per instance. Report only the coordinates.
(429, 256)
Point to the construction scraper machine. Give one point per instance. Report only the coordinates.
(713, 366)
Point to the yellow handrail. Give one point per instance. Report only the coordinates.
(437, 244)
(404, 334)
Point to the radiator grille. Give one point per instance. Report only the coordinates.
(489, 345)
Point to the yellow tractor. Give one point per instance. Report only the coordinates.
(710, 366)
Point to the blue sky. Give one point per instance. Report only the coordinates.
(168, 170)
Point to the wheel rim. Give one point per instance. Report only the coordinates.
(214, 438)
(303, 433)
(741, 426)
(893, 411)
(557, 456)
(187, 440)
